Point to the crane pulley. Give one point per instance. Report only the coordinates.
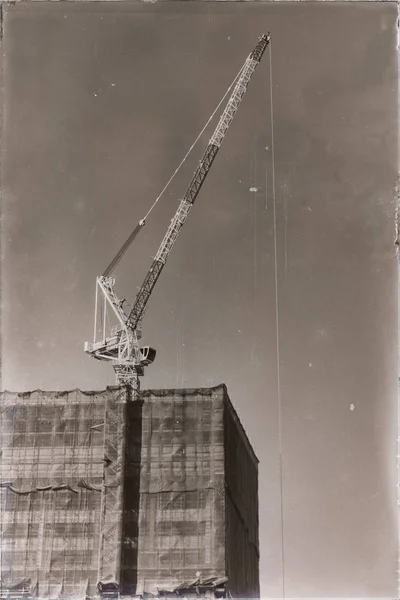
(121, 345)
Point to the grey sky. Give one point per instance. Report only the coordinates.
(100, 105)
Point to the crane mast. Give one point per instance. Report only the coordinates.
(122, 346)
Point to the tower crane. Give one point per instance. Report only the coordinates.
(120, 345)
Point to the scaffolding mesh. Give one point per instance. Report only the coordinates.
(241, 485)
(61, 493)
(182, 510)
(103, 495)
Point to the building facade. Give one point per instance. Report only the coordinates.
(102, 495)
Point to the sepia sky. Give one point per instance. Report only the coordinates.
(101, 102)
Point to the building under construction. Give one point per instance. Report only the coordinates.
(102, 496)
(123, 492)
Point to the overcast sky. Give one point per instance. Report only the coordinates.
(100, 105)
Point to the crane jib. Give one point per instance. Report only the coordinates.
(260, 47)
(120, 343)
(196, 183)
(144, 293)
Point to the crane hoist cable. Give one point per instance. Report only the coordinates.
(142, 222)
(277, 319)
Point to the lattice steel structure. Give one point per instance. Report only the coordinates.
(122, 346)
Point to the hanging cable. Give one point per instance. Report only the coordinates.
(277, 324)
(141, 223)
(194, 144)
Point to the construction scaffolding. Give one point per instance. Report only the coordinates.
(104, 496)
(61, 493)
(198, 513)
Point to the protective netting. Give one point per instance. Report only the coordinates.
(100, 494)
(187, 520)
(181, 514)
(61, 493)
(241, 485)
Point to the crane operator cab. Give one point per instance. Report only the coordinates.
(147, 355)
